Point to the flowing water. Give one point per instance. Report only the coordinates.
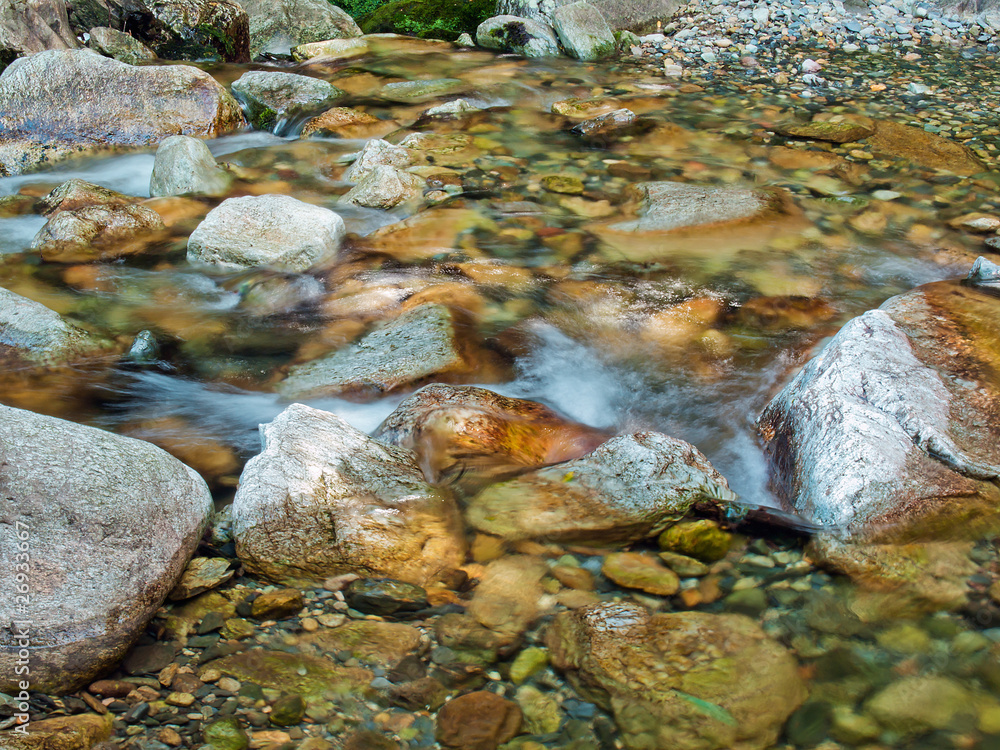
(691, 342)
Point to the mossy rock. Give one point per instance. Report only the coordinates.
(429, 19)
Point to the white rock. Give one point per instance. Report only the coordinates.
(275, 231)
(385, 187)
(375, 153)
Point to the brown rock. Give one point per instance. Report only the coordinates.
(923, 149)
(80, 732)
(277, 605)
(834, 131)
(507, 599)
(477, 721)
(200, 575)
(366, 740)
(474, 436)
(635, 570)
(344, 122)
(111, 688)
(382, 643)
(96, 233)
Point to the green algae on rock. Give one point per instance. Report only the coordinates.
(314, 678)
(685, 679)
(701, 539)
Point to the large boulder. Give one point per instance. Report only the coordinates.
(276, 231)
(470, 435)
(640, 16)
(28, 26)
(420, 345)
(275, 100)
(97, 232)
(323, 499)
(522, 36)
(195, 29)
(58, 103)
(108, 524)
(687, 679)
(583, 31)
(278, 25)
(184, 165)
(679, 217)
(631, 487)
(32, 335)
(891, 431)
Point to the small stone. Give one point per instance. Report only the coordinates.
(528, 662)
(385, 596)
(277, 605)
(750, 602)
(701, 539)
(684, 566)
(183, 700)
(540, 710)
(288, 711)
(639, 571)
(562, 183)
(477, 721)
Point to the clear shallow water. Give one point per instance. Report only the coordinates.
(691, 342)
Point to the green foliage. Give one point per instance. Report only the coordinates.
(427, 19)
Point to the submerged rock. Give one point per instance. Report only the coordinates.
(629, 488)
(184, 165)
(84, 497)
(33, 335)
(69, 732)
(834, 131)
(676, 216)
(324, 499)
(332, 49)
(891, 432)
(312, 677)
(522, 36)
(344, 122)
(274, 100)
(57, 103)
(583, 31)
(685, 679)
(420, 345)
(922, 148)
(269, 230)
(99, 232)
(468, 435)
(414, 92)
(278, 25)
(477, 721)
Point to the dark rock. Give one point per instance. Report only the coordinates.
(196, 29)
(276, 605)
(288, 711)
(148, 659)
(384, 596)
(477, 721)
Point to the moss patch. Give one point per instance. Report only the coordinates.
(427, 19)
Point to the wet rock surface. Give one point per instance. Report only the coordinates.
(367, 497)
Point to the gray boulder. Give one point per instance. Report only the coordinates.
(31, 334)
(385, 187)
(640, 16)
(583, 31)
(631, 487)
(376, 153)
(58, 103)
(121, 46)
(276, 231)
(522, 36)
(278, 25)
(108, 523)
(28, 26)
(196, 29)
(420, 345)
(184, 165)
(275, 100)
(891, 431)
(323, 499)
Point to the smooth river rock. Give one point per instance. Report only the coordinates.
(276, 231)
(278, 25)
(323, 499)
(184, 165)
(97, 232)
(891, 431)
(59, 103)
(687, 679)
(109, 524)
(467, 435)
(631, 487)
